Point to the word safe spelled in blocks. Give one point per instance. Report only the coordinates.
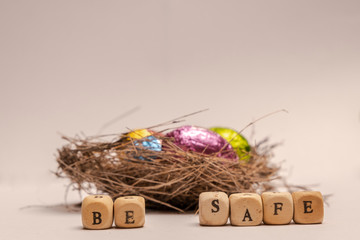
(97, 212)
(249, 209)
(129, 212)
(213, 208)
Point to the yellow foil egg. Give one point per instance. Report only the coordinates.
(139, 134)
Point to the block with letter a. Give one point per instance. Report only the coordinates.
(246, 209)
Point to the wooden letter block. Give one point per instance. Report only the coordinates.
(308, 207)
(213, 208)
(246, 209)
(97, 212)
(129, 212)
(278, 207)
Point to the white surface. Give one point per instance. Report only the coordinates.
(72, 66)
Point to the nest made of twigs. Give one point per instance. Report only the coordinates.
(170, 179)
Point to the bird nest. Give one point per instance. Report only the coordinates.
(170, 179)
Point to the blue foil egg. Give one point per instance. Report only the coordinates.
(150, 143)
(143, 139)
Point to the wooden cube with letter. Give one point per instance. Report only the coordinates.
(278, 207)
(97, 212)
(213, 208)
(129, 212)
(246, 209)
(308, 207)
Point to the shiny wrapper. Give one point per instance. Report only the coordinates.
(202, 140)
(237, 141)
(139, 133)
(150, 143)
(143, 138)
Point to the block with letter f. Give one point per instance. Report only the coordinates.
(278, 207)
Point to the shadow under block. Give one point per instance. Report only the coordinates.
(97, 212)
(308, 207)
(278, 207)
(246, 209)
(129, 212)
(213, 208)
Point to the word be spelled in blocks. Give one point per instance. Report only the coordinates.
(308, 207)
(97, 212)
(246, 209)
(129, 212)
(213, 208)
(278, 207)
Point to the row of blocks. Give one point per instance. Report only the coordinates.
(250, 209)
(245, 209)
(99, 212)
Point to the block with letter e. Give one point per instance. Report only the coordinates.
(246, 209)
(213, 208)
(129, 212)
(97, 212)
(308, 207)
(278, 207)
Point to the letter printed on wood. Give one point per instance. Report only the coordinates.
(213, 208)
(129, 212)
(246, 209)
(97, 212)
(278, 207)
(308, 207)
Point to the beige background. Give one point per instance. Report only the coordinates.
(72, 66)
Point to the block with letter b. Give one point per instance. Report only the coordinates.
(246, 209)
(278, 207)
(213, 208)
(97, 212)
(129, 212)
(308, 207)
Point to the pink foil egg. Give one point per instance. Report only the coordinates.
(202, 140)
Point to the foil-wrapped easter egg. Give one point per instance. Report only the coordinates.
(237, 141)
(146, 139)
(150, 142)
(139, 133)
(203, 141)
